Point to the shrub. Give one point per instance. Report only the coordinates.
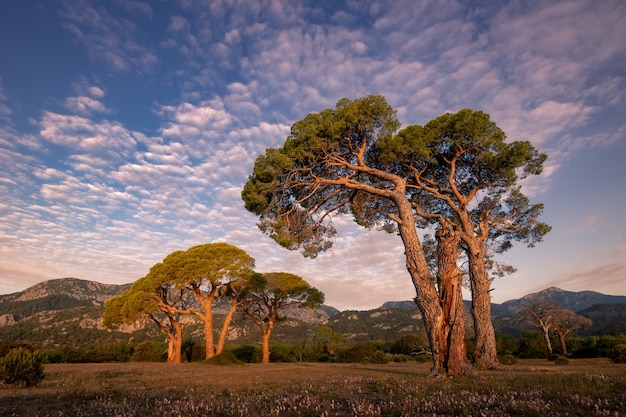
(561, 360)
(379, 357)
(248, 353)
(226, 358)
(361, 352)
(149, 351)
(618, 353)
(283, 352)
(507, 359)
(22, 367)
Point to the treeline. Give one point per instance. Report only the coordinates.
(329, 346)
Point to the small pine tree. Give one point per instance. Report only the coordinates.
(22, 367)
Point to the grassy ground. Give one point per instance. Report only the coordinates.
(540, 388)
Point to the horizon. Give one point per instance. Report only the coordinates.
(348, 309)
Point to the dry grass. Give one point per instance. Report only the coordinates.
(583, 387)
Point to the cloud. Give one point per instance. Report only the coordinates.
(604, 278)
(105, 137)
(108, 38)
(84, 105)
(135, 7)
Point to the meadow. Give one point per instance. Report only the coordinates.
(591, 387)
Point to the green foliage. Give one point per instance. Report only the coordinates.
(507, 344)
(380, 357)
(22, 367)
(561, 360)
(285, 352)
(21, 309)
(248, 353)
(407, 343)
(532, 345)
(507, 359)
(618, 353)
(361, 352)
(226, 358)
(211, 263)
(149, 351)
(323, 346)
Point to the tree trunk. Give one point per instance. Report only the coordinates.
(208, 337)
(206, 301)
(563, 344)
(175, 345)
(265, 341)
(427, 298)
(546, 337)
(452, 333)
(227, 320)
(485, 353)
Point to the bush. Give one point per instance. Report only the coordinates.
(618, 353)
(380, 357)
(361, 352)
(283, 352)
(561, 360)
(507, 359)
(22, 367)
(226, 358)
(248, 353)
(149, 351)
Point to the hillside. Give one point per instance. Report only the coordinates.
(61, 311)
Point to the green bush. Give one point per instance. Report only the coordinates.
(149, 351)
(226, 358)
(248, 353)
(359, 353)
(561, 360)
(283, 352)
(380, 357)
(618, 353)
(507, 359)
(22, 367)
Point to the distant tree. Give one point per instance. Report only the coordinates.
(565, 322)
(208, 271)
(542, 314)
(324, 344)
(203, 272)
(156, 297)
(270, 293)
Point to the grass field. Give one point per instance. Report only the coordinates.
(529, 388)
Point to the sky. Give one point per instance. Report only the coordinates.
(128, 128)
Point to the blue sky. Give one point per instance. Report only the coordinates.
(128, 128)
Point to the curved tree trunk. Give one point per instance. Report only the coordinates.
(427, 298)
(485, 353)
(175, 342)
(546, 337)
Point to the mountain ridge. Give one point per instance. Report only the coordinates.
(56, 312)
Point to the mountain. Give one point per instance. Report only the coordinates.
(69, 310)
(65, 311)
(567, 300)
